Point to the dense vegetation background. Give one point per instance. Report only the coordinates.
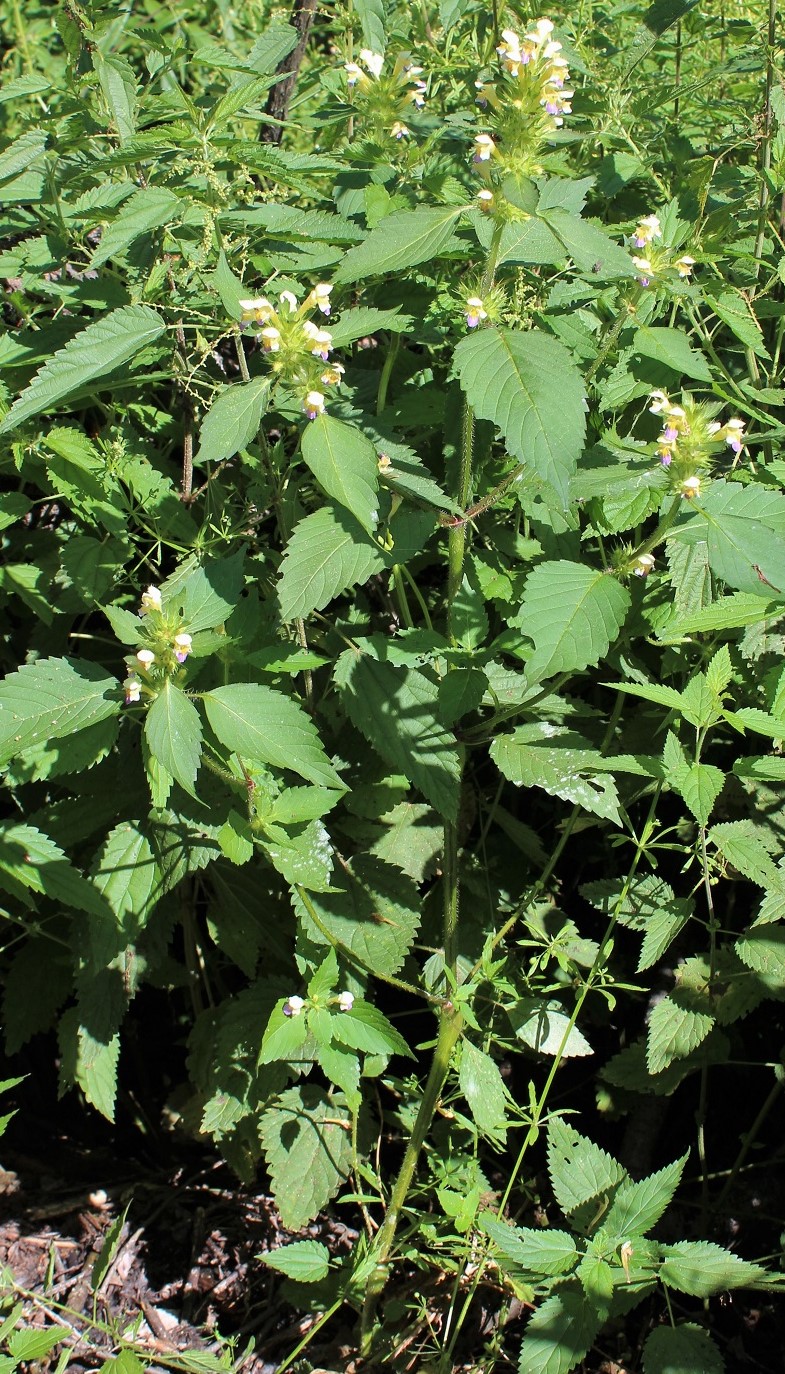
(393, 593)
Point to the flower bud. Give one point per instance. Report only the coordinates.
(345, 1001)
(643, 565)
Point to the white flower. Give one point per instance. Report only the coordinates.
(258, 309)
(485, 198)
(684, 265)
(374, 61)
(151, 601)
(345, 1001)
(332, 375)
(291, 301)
(182, 647)
(353, 73)
(690, 487)
(733, 434)
(647, 229)
(660, 403)
(293, 1005)
(321, 339)
(271, 338)
(313, 404)
(643, 565)
(484, 148)
(475, 311)
(145, 657)
(133, 689)
(320, 296)
(399, 130)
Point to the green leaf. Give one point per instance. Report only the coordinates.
(561, 763)
(290, 222)
(547, 1252)
(344, 464)
(308, 1146)
(579, 1170)
(119, 87)
(481, 1084)
(259, 723)
(302, 855)
(90, 1054)
(52, 698)
(126, 874)
(528, 386)
(589, 246)
(681, 1350)
(204, 592)
(284, 1036)
(148, 209)
(543, 1025)
(573, 614)
(305, 1261)
(366, 1028)
(742, 844)
(19, 154)
(233, 420)
(700, 1268)
(403, 239)
(638, 1206)
(744, 530)
(365, 320)
(559, 1334)
(33, 1343)
(31, 860)
(671, 347)
(397, 711)
(677, 1025)
(327, 553)
(173, 731)
(371, 14)
(728, 613)
(700, 788)
(762, 949)
(736, 312)
(96, 351)
(372, 908)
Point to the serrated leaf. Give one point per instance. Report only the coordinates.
(233, 420)
(90, 1056)
(397, 711)
(257, 722)
(673, 348)
(579, 1170)
(19, 154)
(365, 320)
(308, 1152)
(561, 763)
(481, 1084)
(740, 842)
(677, 1025)
(573, 614)
(543, 1025)
(305, 1261)
(681, 1350)
(95, 351)
(762, 949)
(547, 1252)
(368, 1029)
(344, 464)
(204, 592)
(743, 528)
(700, 1268)
(403, 239)
(661, 930)
(148, 209)
(327, 553)
(371, 14)
(302, 854)
(126, 874)
(372, 908)
(30, 859)
(638, 1206)
(32, 1343)
(700, 787)
(528, 386)
(590, 247)
(560, 1333)
(173, 732)
(119, 85)
(733, 308)
(52, 698)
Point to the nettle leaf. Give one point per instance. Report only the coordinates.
(681, 1350)
(126, 874)
(372, 908)
(700, 1268)
(559, 1334)
(547, 1252)
(307, 1143)
(762, 949)
(327, 553)
(543, 1025)
(233, 420)
(528, 386)
(403, 239)
(371, 14)
(638, 1206)
(259, 723)
(364, 320)
(90, 1044)
(397, 710)
(301, 855)
(305, 1261)
(148, 209)
(173, 730)
(561, 763)
(743, 529)
(483, 1087)
(345, 465)
(30, 860)
(52, 698)
(742, 844)
(368, 1029)
(205, 592)
(735, 311)
(677, 1025)
(673, 348)
(573, 614)
(579, 1170)
(95, 351)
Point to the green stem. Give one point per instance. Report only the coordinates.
(401, 597)
(611, 336)
(768, 129)
(450, 1027)
(384, 380)
(456, 547)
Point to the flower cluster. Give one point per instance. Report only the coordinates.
(529, 106)
(386, 98)
(297, 347)
(294, 1005)
(658, 261)
(690, 438)
(169, 647)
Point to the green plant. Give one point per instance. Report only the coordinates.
(394, 584)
